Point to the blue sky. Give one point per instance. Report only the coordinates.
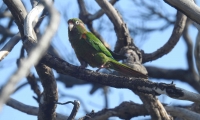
(175, 59)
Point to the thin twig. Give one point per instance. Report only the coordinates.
(76, 104)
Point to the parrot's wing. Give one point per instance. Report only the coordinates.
(96, 43)
(117, 56)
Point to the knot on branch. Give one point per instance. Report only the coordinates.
(134, 58)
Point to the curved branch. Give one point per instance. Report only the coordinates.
(122, 32)
(188, 7)
(174, 38)
(31, 20)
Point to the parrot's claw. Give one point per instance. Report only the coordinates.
(103, 66)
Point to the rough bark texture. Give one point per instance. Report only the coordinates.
(49, 96)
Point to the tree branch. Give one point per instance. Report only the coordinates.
(31, 20)
(197, 49)
(122, 32)
(174, 38)
(34, 86)
(34, 56)
(31, 110)
(189, 45)
(19, 13)
(135, 84)
(49, 96)
(9, 46)
(188, 7)
(182, 113)
(175, 74)
(128, 110)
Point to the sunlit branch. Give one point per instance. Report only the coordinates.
(33, 58)
(188, 7)
(9, 46)
(174, 38)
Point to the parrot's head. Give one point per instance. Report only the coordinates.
(75, 26)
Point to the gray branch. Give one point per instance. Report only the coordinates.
(31, 110)
(9, 46)
(174, 38)
(188, 7)
(34, 56)
(135, 84)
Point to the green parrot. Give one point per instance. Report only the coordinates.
(90, 50)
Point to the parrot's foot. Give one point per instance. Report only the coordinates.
(103, 66)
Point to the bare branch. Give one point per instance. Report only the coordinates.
(128, 110)
(76, 104)
(49, 96)
(35, 55)
(33, 83)
(188, 7)
(5, 31)
(31, 20)
(153, 106)
(84, 15)
(99, 13)
(189, 45)
(124, 38)
(135, 84)
(6, 14)
(175, 74)
(19, 13)
(174, 38)
(9, 46)
(34, 3)
(182, 113)
(31, 110)
(197, 49)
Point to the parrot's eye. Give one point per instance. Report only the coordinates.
(77, 22)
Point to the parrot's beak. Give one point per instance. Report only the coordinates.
(71, 25)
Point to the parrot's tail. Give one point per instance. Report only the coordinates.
(126, 69)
